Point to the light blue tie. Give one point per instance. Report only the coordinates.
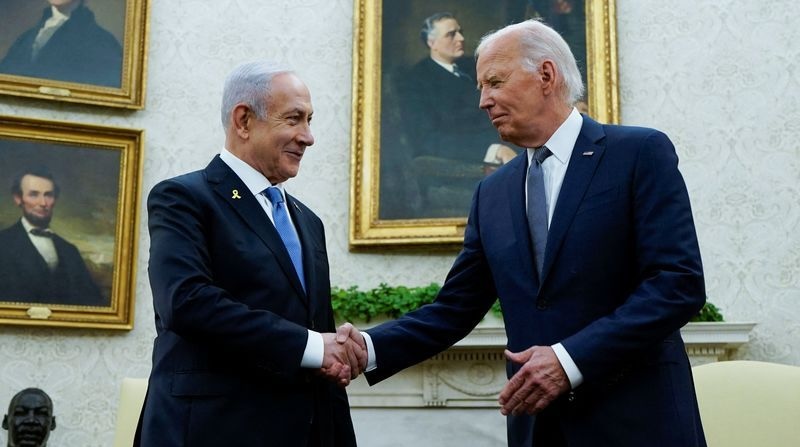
(284, 226)
(537, 206)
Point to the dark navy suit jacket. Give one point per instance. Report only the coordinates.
(622, 274)
(232, 319)
(25, 277)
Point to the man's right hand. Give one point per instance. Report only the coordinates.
(345, 356)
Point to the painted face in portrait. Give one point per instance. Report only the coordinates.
(277, 144)
(37, 200)
(447, 45)
(30, 419)
(513, 95)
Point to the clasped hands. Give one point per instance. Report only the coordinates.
(539, 381)
(345, 356)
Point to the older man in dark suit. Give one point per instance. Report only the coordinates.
(240, 280)
(589, 243)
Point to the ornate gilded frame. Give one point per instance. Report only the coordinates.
(367, 229)
(104, 218)
(131, 92)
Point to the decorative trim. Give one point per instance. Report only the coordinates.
(472, 372)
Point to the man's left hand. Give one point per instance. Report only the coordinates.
(540, 380)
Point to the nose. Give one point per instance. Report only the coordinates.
(486, 100)
(459, 36)
(306, 137)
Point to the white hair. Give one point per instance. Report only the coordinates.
(539, 42)
(249, 83)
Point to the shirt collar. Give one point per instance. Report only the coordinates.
(563, 139)
(253, 180)
(29, 226)
(448, 67)
(57, 16)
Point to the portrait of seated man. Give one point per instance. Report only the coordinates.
(67, 44)
(30, 419)
(447, 134)
(36, 264)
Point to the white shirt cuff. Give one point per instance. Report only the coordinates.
(573, 373)
(315, 351)
(372, 363)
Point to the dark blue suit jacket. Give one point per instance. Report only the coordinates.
(621, 275)
(231, 319)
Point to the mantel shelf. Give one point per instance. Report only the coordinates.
(472, 372)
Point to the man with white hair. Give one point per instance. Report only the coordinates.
(588, 240)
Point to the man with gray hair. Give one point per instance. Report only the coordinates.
(588, 241)
(241, 289)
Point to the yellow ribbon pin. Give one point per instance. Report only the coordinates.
(236, 194)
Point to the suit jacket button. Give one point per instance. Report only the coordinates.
(571, 396)
(542, 304)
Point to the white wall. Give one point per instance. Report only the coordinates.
(721, 78)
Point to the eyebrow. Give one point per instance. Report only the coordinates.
(453, 32)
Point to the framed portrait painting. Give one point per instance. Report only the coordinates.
(420, 143)
(68, 216)
(84, 51)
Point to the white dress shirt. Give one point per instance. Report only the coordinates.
(51, 25)
(44, 245)
(257, 183)
(554, 168)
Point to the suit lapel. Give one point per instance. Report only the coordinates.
(577, 179)
(233, 191)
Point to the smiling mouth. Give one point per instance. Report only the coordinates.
(296, 154)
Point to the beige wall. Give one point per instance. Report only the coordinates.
(721, 78)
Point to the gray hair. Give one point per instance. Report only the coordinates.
(249, 83)
(539, 42)
(428, 30)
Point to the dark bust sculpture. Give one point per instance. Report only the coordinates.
(30, 419)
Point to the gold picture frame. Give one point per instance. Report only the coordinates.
(370, 226)
(107, 41)
(94, 176)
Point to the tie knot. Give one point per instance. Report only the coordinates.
(41, 232)
(274, 195)
(540, 154)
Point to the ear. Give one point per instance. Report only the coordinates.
(547, 74)
(5, 422)
(53, 424)
(241, 116)
(17, 199)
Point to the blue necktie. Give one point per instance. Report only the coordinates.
(537, 206)
(284, 226)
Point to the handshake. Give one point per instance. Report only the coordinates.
(345, 356)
